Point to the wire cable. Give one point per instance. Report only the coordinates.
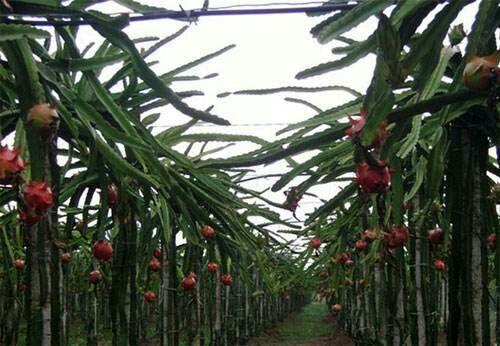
(234, 125)
(56, 19)
(269, 4)
(124, 13)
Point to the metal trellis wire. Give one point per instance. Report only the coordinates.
(65, 19)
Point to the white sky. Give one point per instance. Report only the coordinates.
(270, 50)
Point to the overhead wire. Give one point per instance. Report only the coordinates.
(61, 19)
(268, 4)
(233, 125)
(227, 7)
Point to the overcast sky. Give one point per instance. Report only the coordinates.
(270, 50)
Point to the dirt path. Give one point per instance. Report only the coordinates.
(311, 327)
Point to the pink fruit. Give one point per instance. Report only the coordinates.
(11, 164)
(38, 196)
(112, 195)
(188, 283)
(361, 245)
(149, 296)
(315, 243)
(208, 232)
(439, 265)
(19, 264)
(154, 265)
(373, 179)
(95, 277)
(226, 279)
(212, 267)
(43, 116)
(102, 250)
(65, 258)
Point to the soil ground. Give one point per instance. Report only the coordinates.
(311, 327)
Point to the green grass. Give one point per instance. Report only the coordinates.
(309, 324)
